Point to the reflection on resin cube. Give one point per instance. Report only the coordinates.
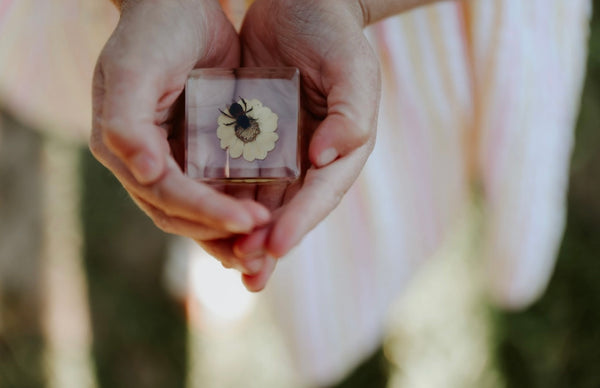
(242, 125)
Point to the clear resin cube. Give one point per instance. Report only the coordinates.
(242, 125)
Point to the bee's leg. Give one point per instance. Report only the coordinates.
(231, 123)
(231, 117)
(246, 110)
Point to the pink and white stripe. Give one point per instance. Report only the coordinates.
(47, 55)
(529, 62)
(476, 94)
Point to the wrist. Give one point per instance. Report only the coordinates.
(124, 4)
(117, 3)
(372, 11)
(359, 10)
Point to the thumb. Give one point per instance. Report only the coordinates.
(125, 101)
(352, 86)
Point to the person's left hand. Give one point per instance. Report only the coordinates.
(340, 99)
(137, 116)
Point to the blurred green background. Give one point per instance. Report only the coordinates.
(556, 342)
(140, 333)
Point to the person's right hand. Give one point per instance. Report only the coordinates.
(139, 77)
(340, 99)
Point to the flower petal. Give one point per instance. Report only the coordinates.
(269, 123)
(267, 140)
(225, 131)
(264, 143)
(222, 120)
(261, 153)
(250, 151)
(227, 136)
(266, 118)
(236, 148)
(253, 103)
(257, 150)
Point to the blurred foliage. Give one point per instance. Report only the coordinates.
(556, 342)
(21, 337)
(139, 331)
(372, 373)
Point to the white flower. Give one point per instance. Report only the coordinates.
(255, 138)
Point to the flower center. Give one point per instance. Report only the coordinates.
(248, 135)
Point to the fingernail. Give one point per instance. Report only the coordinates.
(240, 226)
(254, 266)
(263, 215)
(255, 254)
(326, 157)
(145, 168)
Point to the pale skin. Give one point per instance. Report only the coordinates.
(142, 71)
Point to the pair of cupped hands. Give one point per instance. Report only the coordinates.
(137, 117)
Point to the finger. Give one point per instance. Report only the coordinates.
(125, 107)
(255, 244)
(321, 192)
(178, 196)
(259, 213)
(352, 104)
(222, 250)
(185, 198)
(252, 245)
(179, 226)
(256, 283)
(142, 70)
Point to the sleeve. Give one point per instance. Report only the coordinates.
(48, 55)
(528, 60)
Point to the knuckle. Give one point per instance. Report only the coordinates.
(363, 129)
(96, 143)
(95, 147)
(163, 222)
(226, 264)
(160, 193)
(363, 134)
(112, 134)
(358, 127)
(98, 149)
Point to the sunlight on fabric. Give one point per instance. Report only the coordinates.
(214, 296)
(220, 293)
(232, 340)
